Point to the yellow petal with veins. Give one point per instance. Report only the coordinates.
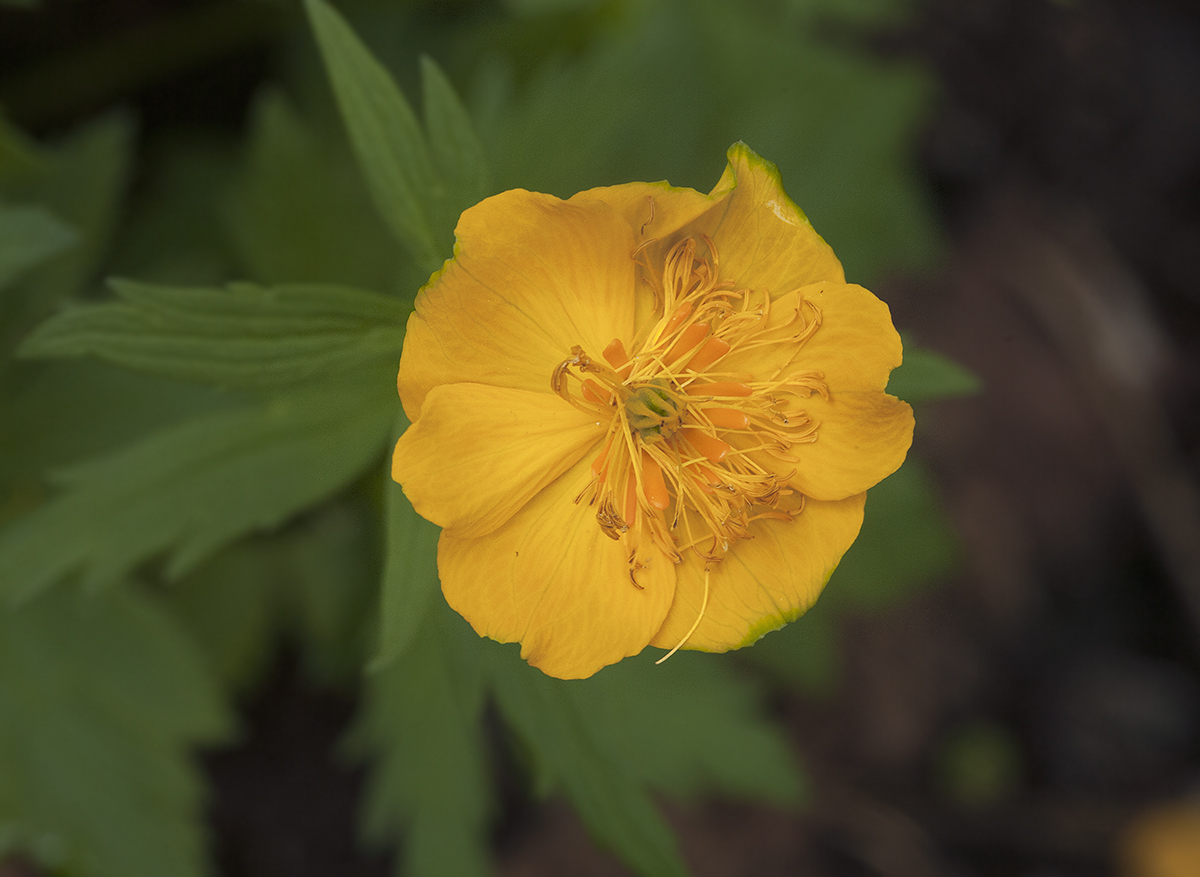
(764, 240)
(862, 439)
(552, 580)
(532, 276)
(768, 581)
(477, 453)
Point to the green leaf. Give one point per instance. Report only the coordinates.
(197, 486)
(387, 139)
(557, 721)
(452, 139)
(243, 336)
(101, 702)
(27, 236)
(301, 213)
(316, 583)
(926, 374)
(410, 576)
(420, 726)
(83, 185)
(689, 726)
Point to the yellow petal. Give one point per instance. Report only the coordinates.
(477, 453)
(862, 439)
(532, 276)
(655, 211)
(855, 348)
(764, 582)
(764, 241)
(553, 581)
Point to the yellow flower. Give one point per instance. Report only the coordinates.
(644, 416)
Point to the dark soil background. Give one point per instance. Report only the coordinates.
(1065, 158)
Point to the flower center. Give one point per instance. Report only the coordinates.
(701, 417)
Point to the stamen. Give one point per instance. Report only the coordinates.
(689, 340)
(615, 353)
(653, 486)
(727, 418)
(713, 349)
(709, 446)
(687, 636)
(720, 388)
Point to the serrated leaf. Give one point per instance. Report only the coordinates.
(557, 722)
(410, 577)
(195, 487)
(387, 139)
(927, 374)
(27, 236)
(301, 212)
(243, 336)
(101, 701)
(453, 142)
(420, 726)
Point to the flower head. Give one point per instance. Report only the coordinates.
(644, 416)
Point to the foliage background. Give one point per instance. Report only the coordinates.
(197, 523)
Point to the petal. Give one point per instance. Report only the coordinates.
(764, 241)
(764, 582)
(532, 276)
(862, 439)
(477, 453)
(855, 348)
(552, 580)
(655, 211)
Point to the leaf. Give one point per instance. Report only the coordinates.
(557, 721)
(386, 137)
(314, 583)
(196, 486)
(420, 725)
(689, 726)
(410, 576)
(647, 102)
(101, 702)
(27, 236)
(455, 147)
(926, 374)
(244, 336)
(82, 186)
(301, 212)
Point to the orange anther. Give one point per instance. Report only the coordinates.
(593, 392)
(630, 498)
(615, 353)
(681, 313)
(689, 338)
(713, 349)
(720, 388)
(709, 446)
(727, 418)
(654, 487)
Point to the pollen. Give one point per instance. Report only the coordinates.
(697, 442)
